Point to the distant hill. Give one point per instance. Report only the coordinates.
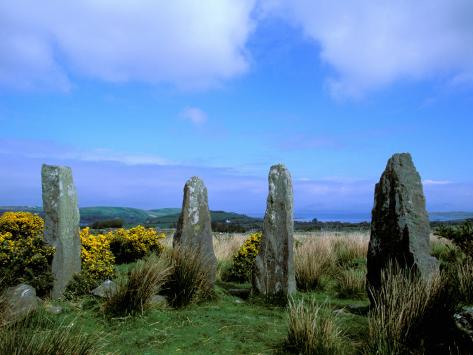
(163, 217)
(167, 217)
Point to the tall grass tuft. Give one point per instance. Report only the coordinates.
(350, 283)
(189, 279)
(134, 292)
(348, 251)
(464, 276)
(35, 335)
(313, 259)
(313, 329)
(409, 313)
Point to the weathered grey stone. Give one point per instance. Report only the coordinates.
(194, 228)
(273, 274)
(400, 230)
(50, 308)
(159, 301)
(105, 289)
(61, 224)
(464, 322)
(20, 301)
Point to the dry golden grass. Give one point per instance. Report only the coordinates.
(406, 308)
(329, 254)
(313, 329)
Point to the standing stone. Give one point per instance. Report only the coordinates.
(400, 230)
(61, 224)
(273, 275)
(194, 230)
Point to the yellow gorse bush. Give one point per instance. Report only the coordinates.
(132, 244)
(24, 256)
(21, 224)
(97, 259)
(244, 260)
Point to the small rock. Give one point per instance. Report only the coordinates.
(53, 309)
(464, 321)
(20, 301)
(159, 301)
(107, 288)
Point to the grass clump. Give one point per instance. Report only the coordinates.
(134, 292)
(35, 335)
(313, 259)
(408, 312)
(190, 277)
(313, 329)
(350, 283)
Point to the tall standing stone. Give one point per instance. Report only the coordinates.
(400, 230)
(194, 229)
(61, 224)
(273, 274)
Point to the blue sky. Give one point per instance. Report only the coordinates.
(138, 96)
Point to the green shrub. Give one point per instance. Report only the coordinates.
(244, 260)
(313, 329)
(461, 236)
(189, 278)
(107, 223)
(24, 256)
(134, 292)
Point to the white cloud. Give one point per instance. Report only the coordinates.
(51, 151)
(371, 44)
(195, 115)
(182, 42)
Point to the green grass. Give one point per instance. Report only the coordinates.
(225, 325)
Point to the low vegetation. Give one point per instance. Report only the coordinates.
(313, 329)
(327, 316)
(135, 290)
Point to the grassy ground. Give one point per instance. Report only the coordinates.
(335, 264)
(226, 325)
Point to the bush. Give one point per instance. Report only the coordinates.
(223, 227)
(407, 313)
(244, 260)
(128, 245)
(107, 223)
(350, 283)
(189, 278)
(461, 236)
(313, 329)
(24, 256)
(134, 293)
(35, 335)
(98, 264)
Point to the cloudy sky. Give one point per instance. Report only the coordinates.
(138, 96)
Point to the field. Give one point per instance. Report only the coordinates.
(330, 272)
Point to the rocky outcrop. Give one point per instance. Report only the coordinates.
(61, 224)
(400, 229)
(194, 230)
(273, 275)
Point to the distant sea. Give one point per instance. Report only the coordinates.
(357, 217)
